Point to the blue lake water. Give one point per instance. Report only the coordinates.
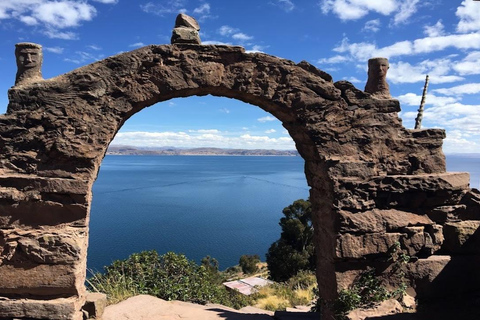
(200, 205)
(196, 205)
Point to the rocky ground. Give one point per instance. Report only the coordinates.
(145, 307)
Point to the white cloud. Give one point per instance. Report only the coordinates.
(137, 45)
(333, 60)
(166, 7)
(413, 99)
(214, 42)
(256, 48)
(64, 14)
(202, 138)
(266, 119)
(406, 9)
(469, 65)
(469, 88)
(206, 131)
(94, 47)
(51, 16)
(270, 131)
(469, 14)
(107, 1)
(227, 30)
(458, 142)
(438, 71)
(82, 57)
(224, 110)
(356, 9)
(241, 37)
(372, 25)
(57, 50)
(365, 50)
(55, 34)
(29, 21)
(454, 116)
(203, 9)
(458, 41)
(434, 31)
(285, 5)
(353, 80)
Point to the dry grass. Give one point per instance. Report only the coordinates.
(269, 300)
(117, 288)
(280, 296)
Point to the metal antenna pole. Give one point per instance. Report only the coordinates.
(418, 120)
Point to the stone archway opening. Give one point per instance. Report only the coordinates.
(236, 211)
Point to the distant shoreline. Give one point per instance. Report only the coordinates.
(172, 151)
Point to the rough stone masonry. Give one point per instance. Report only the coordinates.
(373, 182)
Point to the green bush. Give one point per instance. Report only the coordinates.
(170, 277)
(248, 263)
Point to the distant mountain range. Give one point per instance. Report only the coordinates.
(172, 151)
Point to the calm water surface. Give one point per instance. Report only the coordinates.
(196, 205)
(200, 205)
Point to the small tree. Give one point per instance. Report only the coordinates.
(294, 251)
(248, 263)
(211, 264)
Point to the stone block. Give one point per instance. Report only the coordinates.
(41, 280)
(359, 246)
(52, 248)
(462, 237)
(45, 184)
(360, 169)
(443, 214)
(185, 35)
(444, 276)
(54, 309)
(184, 20)
(57, 246)
(377, 220)
(433, 238)
(95, 305)
(471, 200)
(401, 191)
(40, 213)
(414, 240)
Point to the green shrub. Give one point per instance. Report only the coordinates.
(304, 279)
(170, 277)
(248, 263)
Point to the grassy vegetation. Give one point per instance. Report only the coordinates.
(174, 277)
(170, 277)
(118, 287)
(298, 290)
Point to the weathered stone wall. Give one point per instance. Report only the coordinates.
(373, 183)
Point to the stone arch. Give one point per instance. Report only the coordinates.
(364, 168)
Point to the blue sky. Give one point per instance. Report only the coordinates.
(436, 37)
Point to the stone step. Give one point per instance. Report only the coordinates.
(54, 309)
